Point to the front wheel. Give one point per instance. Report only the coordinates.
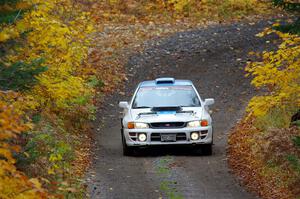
(127, 151)
(207, 149)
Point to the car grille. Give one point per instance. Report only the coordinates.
(156, 137)
(167, 125)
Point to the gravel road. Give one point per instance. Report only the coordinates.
(213, 58)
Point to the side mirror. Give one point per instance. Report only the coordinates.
(124, 105)
(209, 101)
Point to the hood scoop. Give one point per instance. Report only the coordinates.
(172, 110)
(175, 109)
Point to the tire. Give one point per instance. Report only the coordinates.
(127, 151)
(207, 149)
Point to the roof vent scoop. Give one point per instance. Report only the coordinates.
(165, 80)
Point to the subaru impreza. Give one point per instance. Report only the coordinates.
(166, 111)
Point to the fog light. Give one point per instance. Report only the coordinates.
(142, 137)
(195, 136)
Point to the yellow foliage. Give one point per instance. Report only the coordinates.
(242, 4)
(57, 32)
(4, 36)
(60, 38)
(13, 184)
(179, 5)
(279, 72)
(113, 1)
(8, 33)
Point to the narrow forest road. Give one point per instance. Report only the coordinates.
(213, 58)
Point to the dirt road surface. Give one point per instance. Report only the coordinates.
(213, 58)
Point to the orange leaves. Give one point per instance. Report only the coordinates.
(10, 120)
(13, 184)
(259, 159)
(168, 11)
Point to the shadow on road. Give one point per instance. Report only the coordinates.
(158, 151)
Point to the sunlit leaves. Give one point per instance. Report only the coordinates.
(61, 42)
(179, 5)
(279, 73)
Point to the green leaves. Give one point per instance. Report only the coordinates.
(9, 17)
(291, 6)
(2, 2)
(295, 162)
(287, 5)
(20, 75)
(293, 28)
(296, 141)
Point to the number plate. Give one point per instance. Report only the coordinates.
(168, 137)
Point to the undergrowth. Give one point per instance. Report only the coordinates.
(264, 148)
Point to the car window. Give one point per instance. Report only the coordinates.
(166, 96)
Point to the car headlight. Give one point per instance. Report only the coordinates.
(137, 125)
(197, 123)
(194, 124)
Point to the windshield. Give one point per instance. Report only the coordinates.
(166, 96)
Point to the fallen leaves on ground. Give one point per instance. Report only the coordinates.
(260, 160)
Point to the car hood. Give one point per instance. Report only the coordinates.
(166, 117)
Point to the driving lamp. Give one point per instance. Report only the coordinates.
(142, 137)
(195, 136)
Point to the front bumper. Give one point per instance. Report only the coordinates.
(131, 140)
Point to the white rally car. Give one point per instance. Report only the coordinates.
(166, 111)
